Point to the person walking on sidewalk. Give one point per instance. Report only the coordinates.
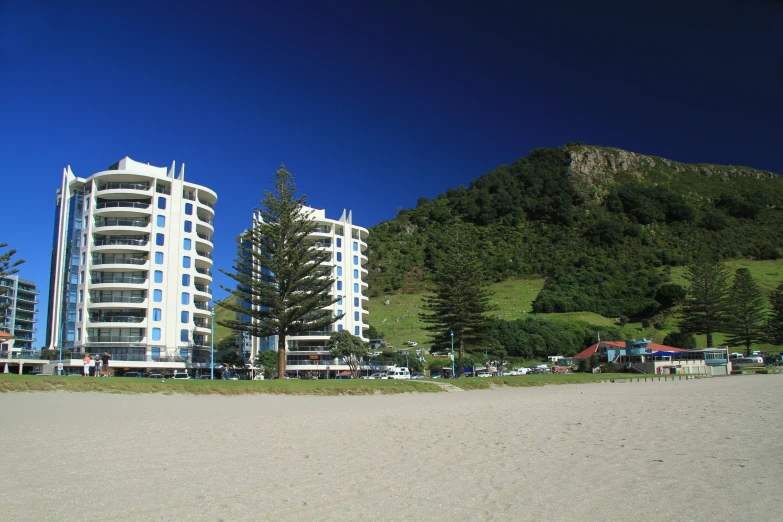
(87, 364)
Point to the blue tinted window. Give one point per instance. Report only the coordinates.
(186, 244)
(159, 239)
(356, 273)
(184, 317)
(156, 336)
(356, 330)
(339, 270)
(158, 276)
(339, 257)
(188, 226)
(339, 313)
(155, 354)
(356, 287)
(186, 262)
(339, 242)
(355, 246)
(355, 260)
(339, 328)
(185, 298)
(157, 296)
(340, 300)
(183, 352)
(161, 202)
(189, 208)
(356, 301)
(158, 258)
(156, 314)
(161, 221)
(185, 280)
(356, 316)
(339, 285)
(183, 336)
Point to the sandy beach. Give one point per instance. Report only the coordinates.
(705, 449)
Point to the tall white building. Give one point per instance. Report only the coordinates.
(20, 316)
(132, 267)
(347, 244)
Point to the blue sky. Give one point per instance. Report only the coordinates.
(370, 104)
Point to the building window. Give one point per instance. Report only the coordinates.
(156, 314)
(161, 203)
(161, 221)
(189, 209)
(339, 256)
(339, 270)
(79, 334)
(155, 353)
(339, 313)
(84, 258)
(339, 285)
(339, 328)
(80, 315)
(81, 277)
(184, 317)
(340, 300)
(81, 296)
(186, 244)
(185, 298)
(355, 273)
(355, 260)
(158, 258)
(188, 226)
(156, 337)
(339, 242)
(356, 316)
(356, 330)
(355, 246)
(356, 287)
(356, 301)
(185, 280)
(160, 239)
(183, 336)
(158, 276)
(186, 262)
(157, 296)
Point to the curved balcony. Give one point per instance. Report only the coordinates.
(322, 231)
(117, 321)
(119, 263)
(206, 207)
(116, 301)
(117, 282)
(107, 339)
(203, 259)
(110, 208)
(124, 190)
(204, 290)
(206, 223)
(204, 241)
(108, 225)
(202, 275)
(117, 244)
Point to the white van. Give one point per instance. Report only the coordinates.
(398, 373)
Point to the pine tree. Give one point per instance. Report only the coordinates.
(460, 301)
(747, 311)
(7, 268)
(280, 272)
(775, 320)
(704, 309)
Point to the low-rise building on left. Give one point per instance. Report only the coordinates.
(19, 317)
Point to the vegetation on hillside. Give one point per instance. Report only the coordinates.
(599, 224)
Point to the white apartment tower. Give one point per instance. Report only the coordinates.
(132, 267)
(347, 244)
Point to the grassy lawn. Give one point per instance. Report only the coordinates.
(483, 383)
(25, 383)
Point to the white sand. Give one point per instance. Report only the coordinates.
(692, 450)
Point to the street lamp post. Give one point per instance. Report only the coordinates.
(212, 346)
(452, 354)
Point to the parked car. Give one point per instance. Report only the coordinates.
(418, 376)
(483, 374)
(411, 343)
(205, 377)
(155, 376)
(131, 374)
(378, 375)
(180, 376)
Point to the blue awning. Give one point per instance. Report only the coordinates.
(668, 354)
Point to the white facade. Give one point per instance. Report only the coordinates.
(131, 267)
(347, 244)
(20, 317)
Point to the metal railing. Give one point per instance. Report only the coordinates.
(188, 196)
(210, 205)
(204, 271)
(26, 299)
(110, 280)
(120, 242)
(117, 299)
(119, 261)
(115, 339)
(204, 220)
(116, 319)
(20, 354)
(322, 230)
(129, 186)
(204, 237)
(200, 305)
(121, 204)
(204, 254)
(162, 190)
(120, 222)
(203, 288)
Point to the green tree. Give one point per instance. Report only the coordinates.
(460, 301)
(280, 272)
(349, 348)
(685, 341)
(705, 306)
(747, 313)
(267, 359)
(7, 268)
(775, 320)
